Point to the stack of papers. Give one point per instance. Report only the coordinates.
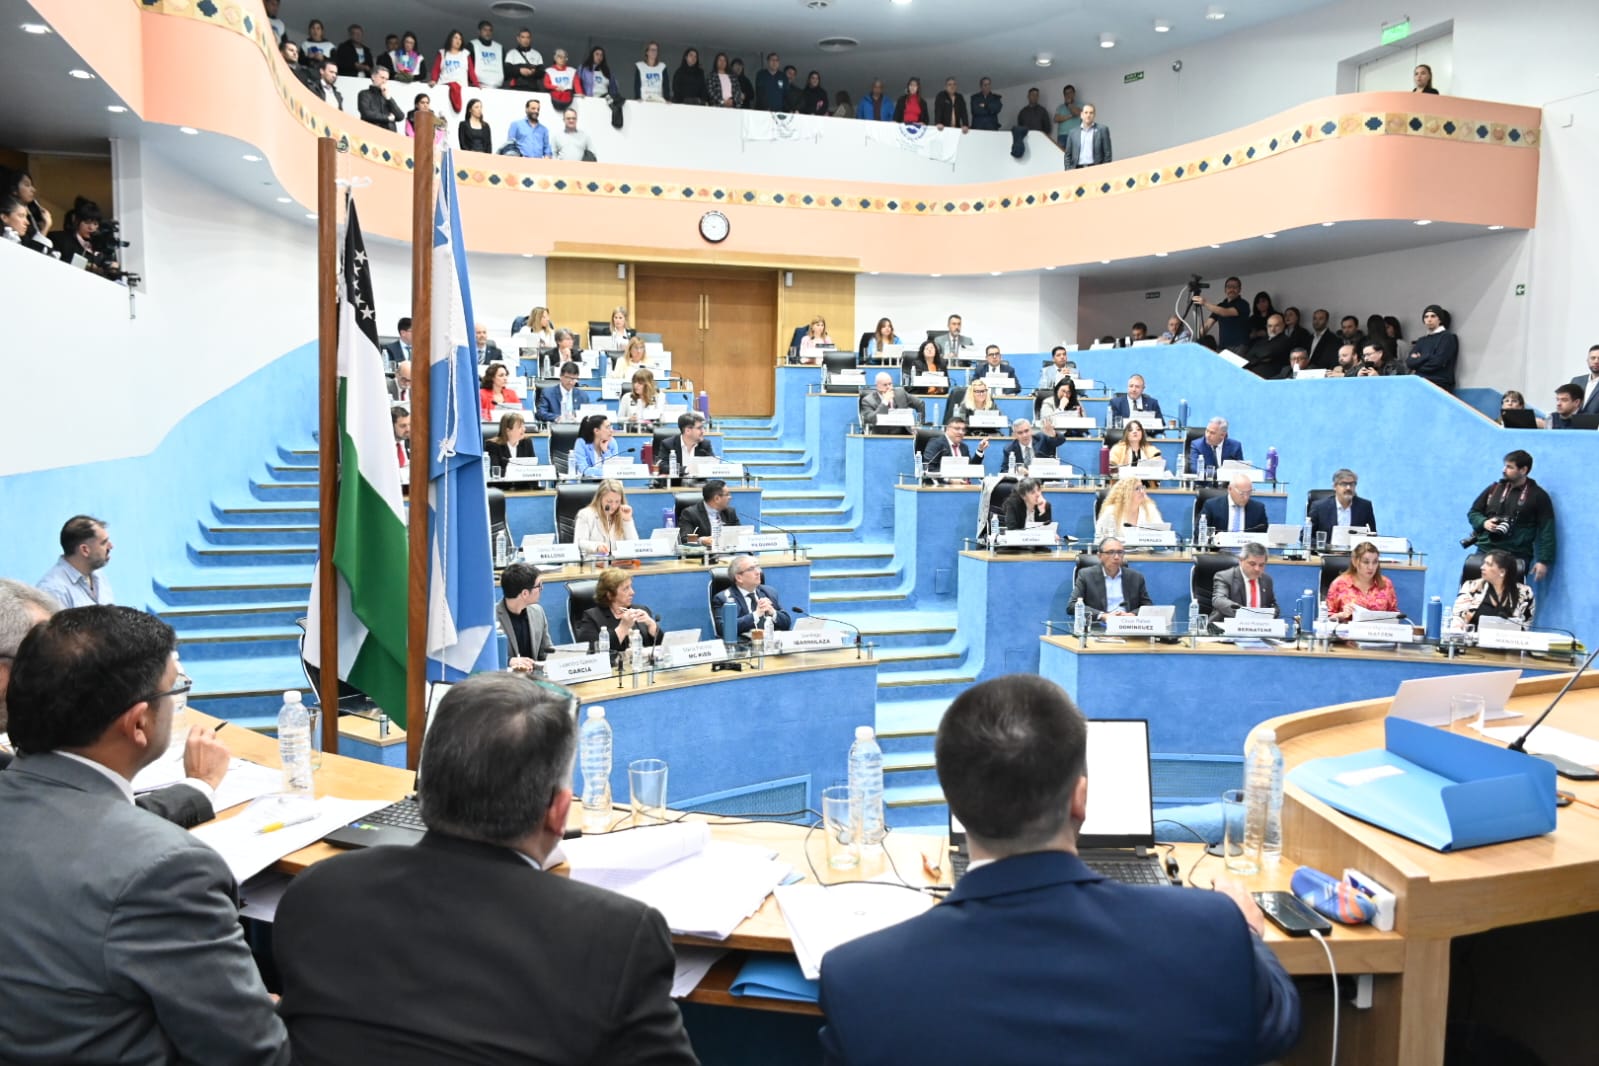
(703, 887)
(243, 782)
(821, 917)
(248, 850)
(692, 965)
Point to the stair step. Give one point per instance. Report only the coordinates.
(913, 796)
(909, 719)
(856, 597)
(906, 761)
(914, 655)
(778, 462)
(233, 617)
(918, 680)
(824, 529)
(803, 494)
(295, 473)
(850, 575)
(785, 477)
(225, 554)
(266, 514)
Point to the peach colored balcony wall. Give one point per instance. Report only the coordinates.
(1478, 163)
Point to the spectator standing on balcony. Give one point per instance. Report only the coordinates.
(1090, 145)
(488, 57)
(279, 30)
(291, 55)
(354, 57)
(316, 47)
(1257, 318)
(874, 106)
(1030, 118)
(650, 83)
(522, 64)
(1298, 335)
(375, 104)
(531, 139)
(949, 108)
(1423, 79)
(688, 80)
(474, 133)
(843, 106)
(986, 106)
(454, 68)
(560, 81)
(406, 61)
(424, 107)
(595, 75)
(569, 142)
(771, 85)
(327, 88)
(1434, 355)
(390, 43)
(721, 87)
(1230, 316)
(813, 100)
(795, 92)
(744, 84)
(911, 108)
(1068, 116)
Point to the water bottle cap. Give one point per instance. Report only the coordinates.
(291, 696)
(863, 732)
(1309, 593)
(1268, 736)
(596, 712)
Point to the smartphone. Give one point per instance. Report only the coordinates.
(1290, 915)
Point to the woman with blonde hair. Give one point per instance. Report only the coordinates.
(1127, 504)
(815, 337)
(639, 405)
(618, 338)
(1134, 447)
(631, 360)
(607, 519)
(539, 328)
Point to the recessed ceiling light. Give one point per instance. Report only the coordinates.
(1328, 224)
(248, 158)
(1107, 40)
(1269, 236)
(1214, 14)
(874, 273)
(285, 199)
(190, 130)
(1049, 268)
(1043, 59)
(1496, 227)
(116, 109)
(995, 273)
(311, 215)
(35, 28)
(527, 255)
(1423, 221)
(1162, 26)
(901, 3)
(1161, 255)
(81, 75)
(1104, 262)
(938, 275)
(1215, 246)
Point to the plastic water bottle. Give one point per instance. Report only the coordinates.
(294, 746)
(635, 647)
(993, 531)
(669, 517)
(1271, 464)
(573, 471)
(1263, 799)
(1435, 618)
(1080, 618)
(1182, 414)
(1010, 464)
(866, 781)
(1324, 628)
(602, 646)
(921, 467)
(1182, 461)
(594, 747)
(1308, 535)
(672, 469)
(502, 549)
(1203, 535)
(1193, 617)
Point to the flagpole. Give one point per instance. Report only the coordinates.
(421, 433)
(327, 227)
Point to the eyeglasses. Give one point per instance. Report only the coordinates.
(1113, 551)
(180, 691)
(1344, 485)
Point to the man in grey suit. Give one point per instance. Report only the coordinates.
(1088, 145)
(1245, 585)
(521, 619)
(885, 396)
(1589, 384)
(1110, 587)
(205, 758)
(119, 932)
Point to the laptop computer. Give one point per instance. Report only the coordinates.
(1117, 840)
(398, 823)
(1518, 418)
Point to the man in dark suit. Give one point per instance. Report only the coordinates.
(702, 521)
(952, 340)
(1343, 507)
(950, 442)
(326, 87)
(541, 968)
(994, 363)
(400, 383)
(1110, 587)
(487, 350)
(756, 602)
(1080, 958)
(375, 104)
(1324, 340)
(119, 932)
(1137, 404)
(205, 758)
(885, 396)
(1025, 446)
(1236, 512)
(559, 402)
(1589, 383)
(690, 443)
(1089, 145)
(1214, 448)
(521, 619)
(1245, 585)
(1268, 356)
(400, 351)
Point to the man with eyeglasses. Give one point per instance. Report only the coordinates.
(1343, 507)
(119, 932)
(1110, 587)
(205, 758)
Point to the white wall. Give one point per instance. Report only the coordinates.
(503, 286)
(1020, 312)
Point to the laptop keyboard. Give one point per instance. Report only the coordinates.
(406, 814)
(1130, 871)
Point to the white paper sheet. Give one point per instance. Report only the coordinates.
(248, 851)
(1547, 740)
(820, 918)
(693, 963)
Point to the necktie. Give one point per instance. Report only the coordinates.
(1254, 593)
(399, 451)
(566, 404)
(1238, 519)
(1027, 457)
(751, 598)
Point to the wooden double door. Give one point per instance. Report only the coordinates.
(719, 324)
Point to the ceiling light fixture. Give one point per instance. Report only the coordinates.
(252, 159)
(1107, 40)
(1161, 255)
(938, 275)
(1496, 227)
(1049, 268)
(190, 130)
(311, 215)
(1104, 262)
(1269, 236)
(1162, 26)
(1043, 59)
(1423, 221)
(116, 109)
(902, 3)
(38, 29)
(1214, 14)
(1215, 246)
(995, 273)
(1328, 225)
(285, 199)
(81, 75)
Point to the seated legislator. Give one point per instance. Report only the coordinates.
(559, 402)
(1127, 504)
(1343, 508)
(538, 331)
(690, 439)
(978, 398)
(1065, 401)
(494, 390)
(950, 442)
(616, 340)
(756, 602)
(1236, 512)
(1498, 593)
(607, 519)
(993, 363)
(1026, 506)
(1245, 585)
(521, 619)
(540, 967)
(929, 359)
(882, 338)
(1134, 447)
(815, 341)
(641, 401)
(1025, 446)
(1034, 957)
(119, 932)
(1214, 448)
(701, 522)
(595, 446)
(885, 396)
(615, 611)
(1362, 585)
(1059, 364)
(631, 361)
(1110, 587)
(511, 441)
(1136, 400)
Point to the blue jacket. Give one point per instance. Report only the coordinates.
(884, 112)
(548, 407)
(1122, 407)
(532, 141)
(985, 110)
(1218, 509)
(1036, 958)
(1204, 455)
(1324, 515)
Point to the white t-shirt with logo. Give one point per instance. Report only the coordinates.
(652, 82)
(488, 61)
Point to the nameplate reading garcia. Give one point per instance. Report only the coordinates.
(577, 667)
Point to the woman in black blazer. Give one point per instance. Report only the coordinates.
(688, 81)
(512, 440)
(479, 137)
(617, 613)
(1027, 506)
(927, 360)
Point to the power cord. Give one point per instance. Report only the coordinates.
(1332, 968)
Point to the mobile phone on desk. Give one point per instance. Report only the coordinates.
(1290, 915)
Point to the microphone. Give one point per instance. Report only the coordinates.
(793, 541)
(840, 621)
(1563, 767)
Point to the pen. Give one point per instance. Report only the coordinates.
(273, 827)
(220, 724)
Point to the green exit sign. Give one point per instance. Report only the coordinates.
(1128, 79)
(1396, 33)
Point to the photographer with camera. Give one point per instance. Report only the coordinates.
(82, 244)
(1516, 515)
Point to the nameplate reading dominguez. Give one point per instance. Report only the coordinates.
(565, 668)
(1131, 625)
(1133, 537)
(552, 553)
(762, 542)
(807, 640)
(705, 651)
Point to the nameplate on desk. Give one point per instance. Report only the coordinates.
(623, 471)
(1390, 545)
(898, 416)
(848, 377)
(762, 542)
(1380, 632)
(1254, 627)
(1028, 538)
(1132, 625)
(529, 472)
(987, 420)
(1229, 539)
(1513, 640)
(704, 651)
(1050, 468)
(588, 409)
(1085, 384)
(1000, 382)
(1231, 469)
(807, 640)
(643, 549)
(565, 668)
(951, 469)
(931, 381)
(714, 468)
(1075, 422)
(552, 553)
(1133, 537)
(1143, 473)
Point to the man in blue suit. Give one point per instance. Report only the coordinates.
(755, 601)
(1343, 507)
(994, 363)
(1236, 512)
(1034, 957)
(1137, 404)
(1214, 448)
(559, 403)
